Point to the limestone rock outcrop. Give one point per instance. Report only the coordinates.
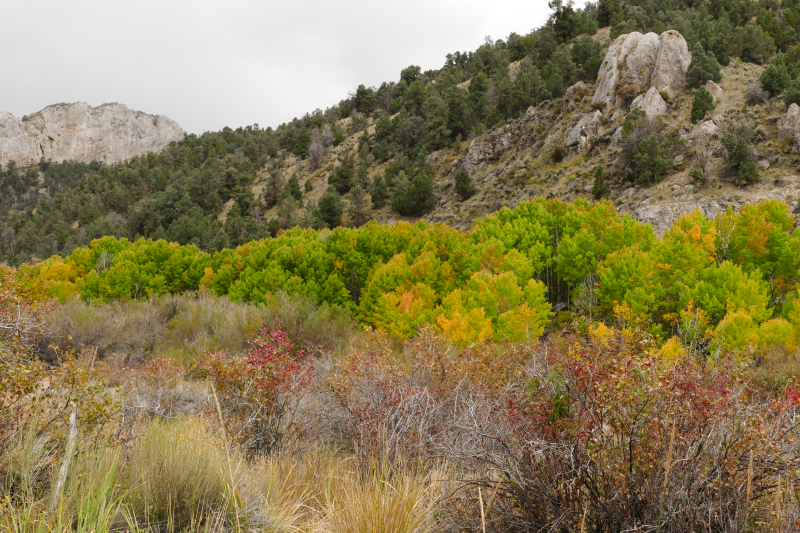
(789, 126)
(77, 132)
(587, 125)
(651, 103)
(663, 216)
(642, 61)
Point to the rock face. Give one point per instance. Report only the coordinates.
(77, 132)
(789, 126)
(587, 125)
(643, 61)
(651, 103)
(663, 216)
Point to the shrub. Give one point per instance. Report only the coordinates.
(255, 392)
(558, 153)
(644, 432)
(697, 176)
(703, 103)
(755, 94)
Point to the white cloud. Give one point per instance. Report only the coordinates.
(209, 64)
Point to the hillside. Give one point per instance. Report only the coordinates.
(491, 128)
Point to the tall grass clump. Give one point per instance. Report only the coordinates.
(177, 474)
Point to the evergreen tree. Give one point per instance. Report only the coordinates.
(417, 196)
(704, 67)
(776, 76)
(719, 46)
(650, 160)
(273, 188)
(273, 226)
(464, 186)
(738, 142)
(342, 176)
(292, 188)
(478, 89)
(214, 238)
(358, 213)
(792, 94)
(600, 187)
(757, 46)
(436, 116)
(703, 103)
(234, 226)
(379, 193)
(301, 143)
(330, 207)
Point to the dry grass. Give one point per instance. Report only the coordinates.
(184, 326)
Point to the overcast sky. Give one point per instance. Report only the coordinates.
(210, 64)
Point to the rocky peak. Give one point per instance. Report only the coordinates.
(78, 132)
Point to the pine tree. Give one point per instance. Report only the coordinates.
(330, 207)
(378, 192)
(464, 186)
(292, 188)
(358, 213)
(342, 176)
(776, 77)
(704, 67)
(600, 187)
(703, 103)
(301, 143)
(273, 188)
(417, 197)
(792, 94)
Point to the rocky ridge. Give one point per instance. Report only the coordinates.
(77, 132)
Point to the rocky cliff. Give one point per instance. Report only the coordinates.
(78, 132)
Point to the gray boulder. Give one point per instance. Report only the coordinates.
(651, 103)
(714, 89)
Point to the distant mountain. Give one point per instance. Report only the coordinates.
(77, 132)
